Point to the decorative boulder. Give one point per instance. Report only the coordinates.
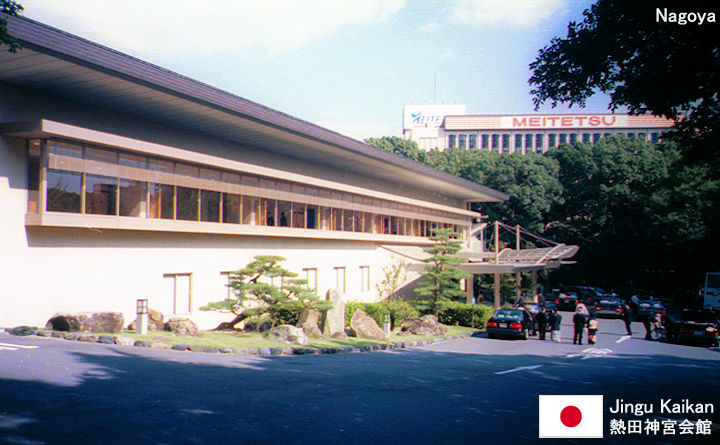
(427, 326)
(183, 327)
(157, 321)
(308, 321)
(87, 322)
(365, 326)
(288, 334)
(334, 318)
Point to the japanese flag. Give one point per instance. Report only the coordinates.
(571, 416)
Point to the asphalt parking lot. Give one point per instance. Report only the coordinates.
(466, 391)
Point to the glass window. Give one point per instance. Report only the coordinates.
(368, 225)
(518, 141)
(209, 206)
(596, 137)
(336, 220)
(310, 275)
(284, 211)
(187, 204)
(654, 137)
(347, 220)
(358, 221)
(298, 215)
(472, 142)
(563, 138)
(539, 142)
(311, 217)
(485, 141)
(128, 160)
(586, 138)
(63, 191)
(528, 142)
(132, 197)
(505, 142)
(462, 141)
(642, 136)
(495, 142)
(631, 135)
(552, 142)
(364, 278)
(340, 278)
(573, 138)
(100, 195)
(231, 208)
(451, 141)
(161, 201)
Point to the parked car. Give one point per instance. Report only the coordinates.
(567, 301)
(693, 326)
(647, 307)
(589, 295)
(609, 307)
(509, 323)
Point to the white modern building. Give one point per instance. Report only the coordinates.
(120, 180)
(448, 126)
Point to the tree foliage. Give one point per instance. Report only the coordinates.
(255, 291)
(441, 280)
(645, 64)
(13, 8)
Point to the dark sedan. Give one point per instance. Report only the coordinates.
(609, 307)
(695, 327)
(567, 301)
(650, 308)
(509, 323)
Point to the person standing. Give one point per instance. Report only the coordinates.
(592, 330)
(627, 317)
(579, 322)
(542, 319)
(555, 320)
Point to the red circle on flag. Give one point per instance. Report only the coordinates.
(570, 416)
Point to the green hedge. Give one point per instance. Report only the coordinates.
(399, 312)
(451, 313)
(458, 314)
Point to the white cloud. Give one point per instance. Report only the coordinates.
(500, 13)
(208, 26)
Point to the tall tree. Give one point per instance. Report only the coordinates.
(399, 146)
(13, 8)
(628, 50)
(441, 280)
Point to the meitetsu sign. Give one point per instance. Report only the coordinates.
(429, 116)
(567, 121)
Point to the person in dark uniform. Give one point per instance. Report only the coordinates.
(542, 320)
(555, 321)
(627, 317)
(647, 321)
(580, 320)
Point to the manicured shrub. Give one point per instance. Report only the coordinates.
(456, 313)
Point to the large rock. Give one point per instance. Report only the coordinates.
(87, 322)
(183, 327)
(288, 334)
(427, 326)
(365, 326)
(334, 318)
(157, 321)
(308, 321)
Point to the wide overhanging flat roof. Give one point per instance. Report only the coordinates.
(70, 67)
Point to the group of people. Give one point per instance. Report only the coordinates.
(583, 319)
(548, 319)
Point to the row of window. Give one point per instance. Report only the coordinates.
(533, 142)
(73, 192)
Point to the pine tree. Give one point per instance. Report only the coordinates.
(255, 292)
(441, 280)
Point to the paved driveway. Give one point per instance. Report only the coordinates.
(475, 390)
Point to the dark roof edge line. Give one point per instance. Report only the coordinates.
(208, 95)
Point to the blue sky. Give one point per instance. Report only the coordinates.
(346, 65)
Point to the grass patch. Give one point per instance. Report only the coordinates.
(245, 340)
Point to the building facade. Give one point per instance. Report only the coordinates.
(431, 126)
(120, 180)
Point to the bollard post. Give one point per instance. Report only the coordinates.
(386, 326)
(143, 317)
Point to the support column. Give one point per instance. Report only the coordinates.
(534, 283)
(518, 286)
(496, 289)
(470, 289)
